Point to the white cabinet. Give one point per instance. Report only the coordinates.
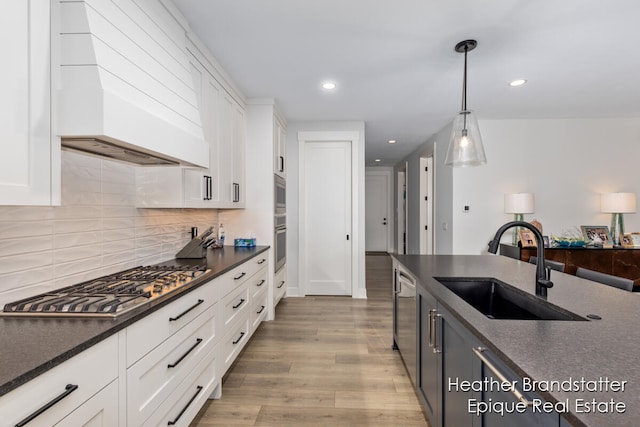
(99, 411)
(222, 185)
(71, 389)
(279, 147)
(279, 286)
(30, 161)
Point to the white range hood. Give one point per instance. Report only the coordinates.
(126, 86)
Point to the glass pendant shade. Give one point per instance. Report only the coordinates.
(465, 146)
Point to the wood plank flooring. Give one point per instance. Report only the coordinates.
(324, 361)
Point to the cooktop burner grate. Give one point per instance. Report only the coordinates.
(109, 295)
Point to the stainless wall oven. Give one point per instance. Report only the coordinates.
(280, 223)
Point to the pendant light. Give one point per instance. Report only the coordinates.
(465, 146)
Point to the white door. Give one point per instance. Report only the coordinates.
(326, 218)
(376, 212)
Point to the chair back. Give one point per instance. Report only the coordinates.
(606, 279)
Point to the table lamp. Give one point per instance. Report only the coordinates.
(518, 204)
(617, 204)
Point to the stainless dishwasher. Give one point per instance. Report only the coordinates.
(405, 335)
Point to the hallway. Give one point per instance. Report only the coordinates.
(323, 361)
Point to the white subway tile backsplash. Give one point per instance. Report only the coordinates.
(96, 231)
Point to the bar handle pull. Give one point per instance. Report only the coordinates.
(173, 319)
(478, 351)
(193, 347)
(69, 388)
(175, 420)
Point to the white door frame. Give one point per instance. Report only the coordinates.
(358, 288)
(388, 175)
(426, 205)
(401, 210)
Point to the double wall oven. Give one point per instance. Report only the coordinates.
(280, 222)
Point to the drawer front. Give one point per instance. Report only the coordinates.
(258, 310)
(73, 382)
(258, 283)
(181, 407)
(154, 377)
(279, 286)
(146, 334)
(99, 411)
(233, 342)
(240, 274)
(235, 305)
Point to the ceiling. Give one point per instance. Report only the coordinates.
(396, 69)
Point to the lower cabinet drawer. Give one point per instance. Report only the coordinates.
(181, 407)
(153, 378)
(279, 286)
(144, 335)
(232, 343)
(258, 310)
(235, 305)
(50, 397)
(99, 411)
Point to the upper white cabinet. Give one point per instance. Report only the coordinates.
(279, 146)
(30, 161)
(222, 185)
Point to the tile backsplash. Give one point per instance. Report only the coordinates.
(96, 231)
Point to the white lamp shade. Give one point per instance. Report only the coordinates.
(519, 203)
(618, 203)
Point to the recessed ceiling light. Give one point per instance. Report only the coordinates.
(328, 85)
(378, 160)
(392, 141)
(518, 82)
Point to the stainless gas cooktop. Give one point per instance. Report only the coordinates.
(110, 295)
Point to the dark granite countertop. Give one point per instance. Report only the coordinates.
(551, 350)
(32, 345)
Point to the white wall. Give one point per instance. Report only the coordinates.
(293, 175)
(566, 163)
(96, 231)
(436, 146)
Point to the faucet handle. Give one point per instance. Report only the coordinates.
(545, 283)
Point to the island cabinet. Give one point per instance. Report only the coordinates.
(451, 359)
(507, 407)
(443, 358)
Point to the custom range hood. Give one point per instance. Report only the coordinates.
(127, 91)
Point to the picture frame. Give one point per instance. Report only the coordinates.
(545, 239)
(635, 240)
(527, 238)
(602, 231)
(627, 240)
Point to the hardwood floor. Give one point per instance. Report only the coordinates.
(324, 361)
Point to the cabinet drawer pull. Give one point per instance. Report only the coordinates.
(174, 364)
(433, 324)
(239, 304)
(173, 319)
(262, 261)
(240, 276)
(239, 339)
(260, 283)
(478, 352)
(281, 284)
(69, 388)
(281, 163)
(170, 423)
(261, 309)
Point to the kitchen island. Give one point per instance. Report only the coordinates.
(583, 371)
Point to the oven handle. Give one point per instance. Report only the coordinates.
(70, 388)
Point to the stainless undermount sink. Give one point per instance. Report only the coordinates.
(497, 300)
